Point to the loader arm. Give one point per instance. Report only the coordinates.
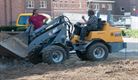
(56, 32)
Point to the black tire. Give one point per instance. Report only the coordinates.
(81, 55)
(0, 56)
(35, 58)
(54, 54)
(97, 52)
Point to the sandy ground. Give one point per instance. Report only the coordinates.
(117, 67)
(134, 40)
(73, 69)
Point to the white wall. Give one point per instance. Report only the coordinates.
(76, 17)
(134, 22)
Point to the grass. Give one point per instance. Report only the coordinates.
(12, 28)
(130, 33)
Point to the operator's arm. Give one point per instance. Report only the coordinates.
(44, 18)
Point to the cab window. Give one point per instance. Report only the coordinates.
(23, 20)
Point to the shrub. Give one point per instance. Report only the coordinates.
(130, 33)
(12, 28)
(8, 28)
(20, 28)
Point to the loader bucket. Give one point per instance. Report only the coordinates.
(12, 46)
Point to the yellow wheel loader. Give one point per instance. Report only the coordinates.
(98, 44)
(53, 41)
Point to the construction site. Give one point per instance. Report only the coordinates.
(54, 52)
(113, 68)
(69, 46)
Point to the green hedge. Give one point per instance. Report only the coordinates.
(130, 33)
(20, 28)
(12, 28)
(126, 32)
(8, 28)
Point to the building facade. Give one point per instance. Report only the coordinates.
(129, 6)
(9, 11)
(69, 6)
(44, 6)
(102, 6)
(116, 7)
(11, 8)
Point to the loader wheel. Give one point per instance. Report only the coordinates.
(35, 58)
(97, 52)
(81, 55)
(54, 54)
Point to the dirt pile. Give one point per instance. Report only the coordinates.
(3, 36)
(74, 69)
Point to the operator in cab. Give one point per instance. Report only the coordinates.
(37, 20)
(91, 25)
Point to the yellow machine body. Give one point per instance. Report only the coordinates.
(107, 34)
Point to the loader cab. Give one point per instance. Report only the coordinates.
(22, 19)
(103, 32)
(100, 24)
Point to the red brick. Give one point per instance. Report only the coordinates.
(10, 11)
